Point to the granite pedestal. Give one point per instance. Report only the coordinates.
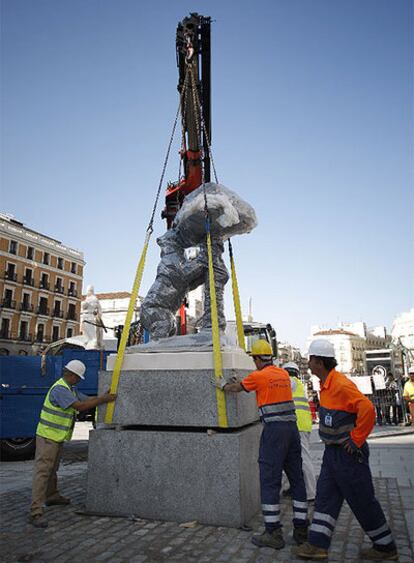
(161, 459)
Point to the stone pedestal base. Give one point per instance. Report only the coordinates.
(175, 475)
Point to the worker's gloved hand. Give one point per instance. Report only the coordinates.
(108, 397)
(220, 382)
(350, 446)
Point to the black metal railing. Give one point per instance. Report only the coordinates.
(28, 281)
(59, 289)
(8, 303)
(25, 337)
(11, 276)
(72, 292)
(44, 284)
(42, 310)
(26, 307)
(58, 313)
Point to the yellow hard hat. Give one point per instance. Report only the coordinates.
(261, 348)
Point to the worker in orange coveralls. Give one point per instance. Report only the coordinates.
(346, 420)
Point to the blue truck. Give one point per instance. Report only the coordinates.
(24, 382)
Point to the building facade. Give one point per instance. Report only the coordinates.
(351, 342)
(40, 289)
(114, 308)
(402, 331)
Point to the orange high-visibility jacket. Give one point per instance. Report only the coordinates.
(273, 394)
(344, 411)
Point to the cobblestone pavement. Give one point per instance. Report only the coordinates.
(72, 536)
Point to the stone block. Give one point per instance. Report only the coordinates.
(175, 476)
(152, 394)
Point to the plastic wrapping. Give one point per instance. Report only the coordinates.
(177, 275)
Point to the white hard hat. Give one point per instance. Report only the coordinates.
(411, 370)
(77, 367)
(321, 347)
(291, 365)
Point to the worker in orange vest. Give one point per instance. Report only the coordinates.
(280, 447)
(346, 418)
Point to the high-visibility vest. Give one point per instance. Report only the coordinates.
(56, 423)
(303, 414)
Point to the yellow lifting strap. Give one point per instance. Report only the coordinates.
(236, 301)
(125, 332)
(218, 367)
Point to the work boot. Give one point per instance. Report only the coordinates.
(309, 551)
(373, 554)
(270, 539)
(300, 535)
(38, 521)
(58, 501)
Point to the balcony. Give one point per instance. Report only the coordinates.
(25, 337)
(8, 304)
(28, 307)
(44, 284)
(71, 317)
(42, 311)
(59, 289)
(28, 281)
(11, 276)
(42, 339)
(72, 292)
(5, 335)
(57, 313)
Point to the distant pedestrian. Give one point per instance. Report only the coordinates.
(346, 420)
(304, 423)
(280, 448)
(408, 394)
(57, 419)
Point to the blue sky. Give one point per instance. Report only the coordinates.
(312, 124)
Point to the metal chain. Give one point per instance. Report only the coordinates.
(150, 224)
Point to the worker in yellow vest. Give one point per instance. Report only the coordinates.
(304, 423)
(57, 419)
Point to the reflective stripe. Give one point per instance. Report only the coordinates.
(333, 441)
(339, 430)
(277, 407)
(271, 507)
(282, 418)
(300, 515)
(318, 528)
(273, 518)
(384, 541)
(378, 531)
(56, 412)
(53, 424)
(299, 504)
(303, 408)
(324, 517)
(300, 400)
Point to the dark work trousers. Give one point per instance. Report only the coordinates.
(280, 451)
(347, 476)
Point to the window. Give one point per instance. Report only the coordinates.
(72, 289)
(46, 258)
(26, 302)
(44, 281)
(28, 276)
(55, 333)
(69, 333)
(5, 327)
(59, 285)
(23, 330)
(40, 332)
(60, 263)
(11, 272)
(30, 252)
(13, 247)
(71, 312)
(73, 267)
(43, 309)
(57, 311)
(8, 298)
